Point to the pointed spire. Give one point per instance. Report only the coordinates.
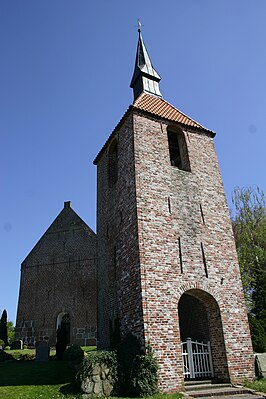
(145, 78)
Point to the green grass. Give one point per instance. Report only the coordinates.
(32, 380)
(48, 380)
(52, 350)
(259, 385)
(158, 396)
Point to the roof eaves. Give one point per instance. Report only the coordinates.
(111, 135)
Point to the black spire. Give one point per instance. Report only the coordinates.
(145, 78)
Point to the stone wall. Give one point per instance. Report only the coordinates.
(59, 277)
(99, 384)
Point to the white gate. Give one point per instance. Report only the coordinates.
(197, 359)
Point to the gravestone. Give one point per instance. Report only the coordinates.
(17, 344)
(42, 351)
(260, 358)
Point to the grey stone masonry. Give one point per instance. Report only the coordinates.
(58, 278)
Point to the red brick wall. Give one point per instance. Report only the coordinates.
(154, 210)
(119, 286)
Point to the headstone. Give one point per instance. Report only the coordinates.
(17, 344)
(260, 358)
(42, 351)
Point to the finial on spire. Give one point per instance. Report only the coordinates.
(145, 78)
(139, 26)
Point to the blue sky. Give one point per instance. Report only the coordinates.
(65, 71)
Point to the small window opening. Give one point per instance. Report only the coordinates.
(202, 214)
(115, 263)
(169, 205)
(175, 156)
(204, 260)
(112, 164)
(180, 255)
(178, 150)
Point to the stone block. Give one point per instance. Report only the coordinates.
(98, 389)
(17, 344)
(42, 351)
(87, 386)
(260, 359)
(107, 387)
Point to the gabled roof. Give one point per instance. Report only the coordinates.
(66, 220)
(156, 106)
(159, 107)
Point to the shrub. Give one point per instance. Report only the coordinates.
(258, 335)
(138, 369)
(7, 348)
(3, 327)
(26, 356)
(144, 374)
(127, 351)
(74, 352)
(2, 343)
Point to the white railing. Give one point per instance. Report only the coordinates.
(197, 359)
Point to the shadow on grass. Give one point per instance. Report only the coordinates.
(70, 389)
(34, 373)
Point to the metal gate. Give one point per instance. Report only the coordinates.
(197, 359)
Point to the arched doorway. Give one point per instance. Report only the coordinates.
(63, 323)
(201, 333)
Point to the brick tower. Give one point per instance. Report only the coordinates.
(167, 264)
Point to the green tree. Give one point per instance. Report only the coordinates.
(10, 332)
(249, 225)
(3, 327)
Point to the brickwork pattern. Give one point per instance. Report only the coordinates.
(59, 276)
(117, 232)
(172, 235)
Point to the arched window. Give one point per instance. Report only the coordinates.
(178, 149)
(112, 164)
(63, 324)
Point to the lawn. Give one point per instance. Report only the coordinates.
(17, 352)
(32, 380)
(37, 380)
(259, 385)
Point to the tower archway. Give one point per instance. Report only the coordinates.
(201, 333)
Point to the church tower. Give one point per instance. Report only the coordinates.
(167, 264)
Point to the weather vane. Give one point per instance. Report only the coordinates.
(139, 26)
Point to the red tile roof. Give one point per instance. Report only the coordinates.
(160, 107)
